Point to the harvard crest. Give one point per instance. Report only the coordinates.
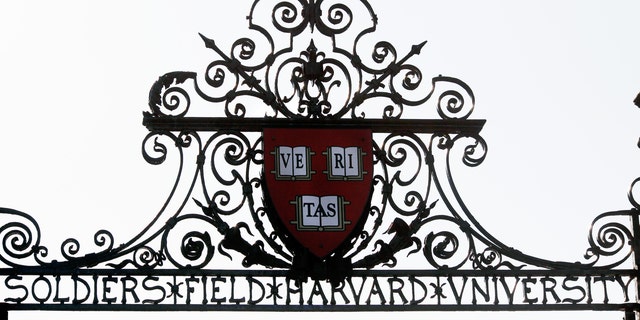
(319, 184)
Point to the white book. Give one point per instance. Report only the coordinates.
(320, 212)
(293, 163)
(344, 163)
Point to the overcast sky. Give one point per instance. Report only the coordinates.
(554, 79)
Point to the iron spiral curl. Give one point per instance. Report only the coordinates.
(17, 240)
(609, 240)
(103, 239)
(167, 97)
(20, 238)
(446, 247)
(196, 247)
(146, 257)
(405, 189)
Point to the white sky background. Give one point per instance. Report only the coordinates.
(554, 79)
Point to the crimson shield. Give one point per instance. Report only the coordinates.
(319, 183)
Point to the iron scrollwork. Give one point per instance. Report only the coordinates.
(219, 210)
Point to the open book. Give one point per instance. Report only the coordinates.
(293, 163)
(344, 163)
(325, 213)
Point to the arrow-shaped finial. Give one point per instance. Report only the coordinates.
(209, 43)
(418, 47)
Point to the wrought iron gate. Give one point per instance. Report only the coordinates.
(297, 161)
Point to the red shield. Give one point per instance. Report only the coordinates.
(319, 183)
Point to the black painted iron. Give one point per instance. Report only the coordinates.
(180, 261)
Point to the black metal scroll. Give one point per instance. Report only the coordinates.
(212, 245)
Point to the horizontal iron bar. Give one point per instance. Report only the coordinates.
(328, 307)
(466, 127)
(355, 273)
(239, 303)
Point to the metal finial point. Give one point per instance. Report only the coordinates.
(209, 43)
(418, 47)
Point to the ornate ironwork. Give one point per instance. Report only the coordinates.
(219, 212)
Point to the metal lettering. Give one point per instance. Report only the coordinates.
(259, 284)
(527, 290)
(376, 290)
(475, 287)
(33, 289)
(106, 289)
(153, 288)
(233, 287)
(604, 280)
(395, 291)
(454, 290)
(291, 290)
(12, 287)
(550, 289)
(398, 290)
(413, 282)
(76, 279)
(191, 289)
(317, 291)
(510, 292)
(215, 289)
(353, 291)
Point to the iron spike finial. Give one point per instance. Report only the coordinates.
(418, 47)
(209, 43)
